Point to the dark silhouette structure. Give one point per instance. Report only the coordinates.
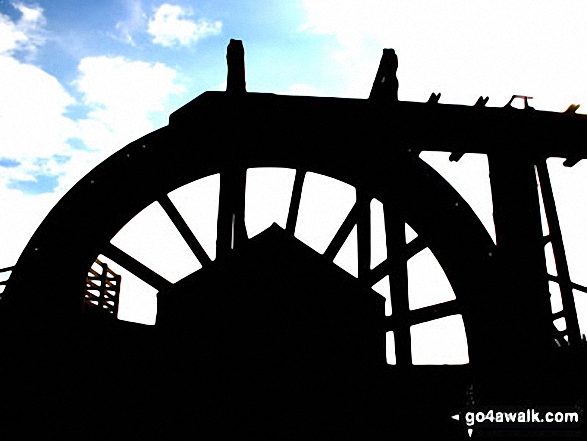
(271, 339)
(102, 290)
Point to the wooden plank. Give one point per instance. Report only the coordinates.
(395, 239)
(294, 206)
(385, 85)
(380, 271)
(363, 234)
(235, 59)
(573, 284)
(230, 228)
(422, 315)
(343, 233)
(92, 285)
(94, 272)
(144, 273)
(558, 315)
(579, 287)
(183, 228)
(102, 283)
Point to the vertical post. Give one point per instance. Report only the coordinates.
(235, 59)
(385, 86)
(294, 206)
(516, 210)
(231, 229)
(117, 280)
(363, 234)
(395, 237)
(562, 268)
(102, 286)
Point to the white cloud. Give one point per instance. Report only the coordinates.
(115, 82)
(32, 14)
(10, 36)
(32, 125)
(19, 218)
(26, 34)
(122, 94)
(32, 141)
(170, 27)
(34, 130)
(465, 49)
(459, 48)
(135, 22)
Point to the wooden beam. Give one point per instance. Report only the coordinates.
(294, 206)
(185, 231)
(235, 60)
(573, 284)
(398, 278)
(143, 272)
(560, 258)
(231, 229)
(343, 233)
(385, 85)
(363, 234)
(380, 271)
(422, 315)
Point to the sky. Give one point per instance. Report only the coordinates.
(80, 80)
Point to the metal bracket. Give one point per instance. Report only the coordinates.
(434, 98)
(481, 102)
(524, 97)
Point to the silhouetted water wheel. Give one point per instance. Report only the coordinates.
(227, 134)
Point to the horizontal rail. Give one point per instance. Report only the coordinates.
(140, 270)
(558, 315)
(425, 314)
(573, 285)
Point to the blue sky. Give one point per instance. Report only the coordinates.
(176, 51)
(177, 48)
(462, 49)
(79, 80)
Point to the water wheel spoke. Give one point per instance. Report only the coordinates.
(143, 272)
(231, 229)
(183, 229)
(294, 206)
(343, 233)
